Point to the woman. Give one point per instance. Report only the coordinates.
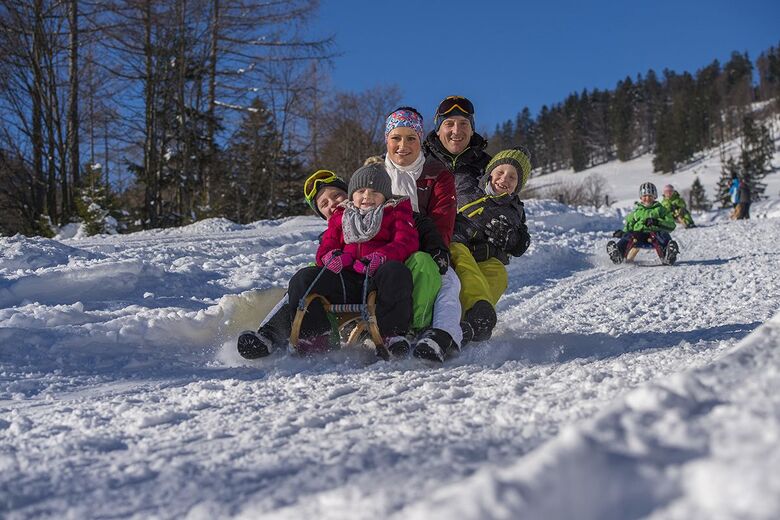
(431, 189)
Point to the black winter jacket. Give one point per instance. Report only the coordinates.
(470, 161)
(476, 209)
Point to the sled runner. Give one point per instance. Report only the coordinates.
(667, 256)
(361, 315)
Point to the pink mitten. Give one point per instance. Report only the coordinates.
(336, 260)
(374, 260)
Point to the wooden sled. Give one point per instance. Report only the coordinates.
(635, 246)
(362, 316)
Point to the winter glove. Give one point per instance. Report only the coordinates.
(442, 259)
(371, 261)
(618, 234)
(336, 260)
(651, 222)
(499, 232)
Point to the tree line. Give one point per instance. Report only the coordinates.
(674, 116)
(166, 111)
(135, 114)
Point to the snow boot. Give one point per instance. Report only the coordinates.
(482, 318)
(468, 333)
(614, 252)
(670, 255)
(434, 344)
(253, 345)
(397, 346)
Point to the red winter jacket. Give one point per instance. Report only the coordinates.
(397, 237)
(436, 197)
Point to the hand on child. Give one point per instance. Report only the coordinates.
(336, 260)
(442, 259)
(371, 261)
(651, 222)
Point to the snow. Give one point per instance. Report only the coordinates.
(631, 391)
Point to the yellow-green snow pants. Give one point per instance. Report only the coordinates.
(478, 280)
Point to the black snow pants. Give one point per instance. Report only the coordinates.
(393, 285)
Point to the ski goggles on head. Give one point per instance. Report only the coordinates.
(453, 104)
(315, 181)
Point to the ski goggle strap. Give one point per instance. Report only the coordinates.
(455, 103)
(313, 183)
(454, 106)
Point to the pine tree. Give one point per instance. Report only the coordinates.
(698, 197)
(755, 156)
(95, 204)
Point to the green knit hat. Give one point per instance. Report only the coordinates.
(519, 157)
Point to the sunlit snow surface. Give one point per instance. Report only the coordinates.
(632, 391)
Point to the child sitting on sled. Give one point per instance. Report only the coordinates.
(489, 228)
(676, 206)
(371, 234)
(649, 224)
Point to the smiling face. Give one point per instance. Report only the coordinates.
(504, 179)
(455, 133)
(647, 200)
(366, 198)
(327, 200)
(403, 145)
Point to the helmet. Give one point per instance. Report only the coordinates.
(648, 188)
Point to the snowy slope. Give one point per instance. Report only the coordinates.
(606, 392)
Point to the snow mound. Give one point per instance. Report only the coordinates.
(23, 253)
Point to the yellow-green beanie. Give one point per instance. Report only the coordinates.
(519, 157)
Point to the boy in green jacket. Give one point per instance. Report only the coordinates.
(649, 224)
(676, 206)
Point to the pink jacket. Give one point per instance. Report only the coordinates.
(397, 237)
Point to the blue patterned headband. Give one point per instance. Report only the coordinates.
(403, 117)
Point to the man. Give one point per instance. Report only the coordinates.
(453, 141)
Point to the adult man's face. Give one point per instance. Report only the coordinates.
(455, 133)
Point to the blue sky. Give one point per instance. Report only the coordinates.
(504, 55)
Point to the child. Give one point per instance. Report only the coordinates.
(370, 233)
(490, 226)
(323, 191)
(676, 206)
(649, 222)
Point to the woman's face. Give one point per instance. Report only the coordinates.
(327, 200)
(403, 146)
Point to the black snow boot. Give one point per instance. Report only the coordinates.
(253, 345)
(614, 252)
(396, 346)
(434, 344)
(670, 255)
(468, 333)
(482, 318)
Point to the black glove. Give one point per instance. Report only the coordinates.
(442, 258)
(651, 222)
(499, 232)
(618, 234)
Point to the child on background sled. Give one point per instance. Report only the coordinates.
(649, 223)
(676, 206)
